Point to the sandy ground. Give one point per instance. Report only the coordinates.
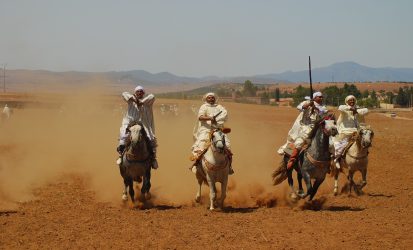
(60, 187)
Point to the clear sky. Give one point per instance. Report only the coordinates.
(204, 37)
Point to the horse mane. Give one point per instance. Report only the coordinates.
(318, 122)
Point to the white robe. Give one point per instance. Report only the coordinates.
(347, 124)
(202, 128)
(135, 113)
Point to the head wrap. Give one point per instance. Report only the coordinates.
(139, 88)
(350, 97)
(210, 94)
(307, 98)
(317, 94)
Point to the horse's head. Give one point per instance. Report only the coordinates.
(218, 139)
(328, 122)
(135, 134)
(366, 136)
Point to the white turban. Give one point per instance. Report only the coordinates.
(350, 97)
(139, 88)
(317, 94)
(210, 94)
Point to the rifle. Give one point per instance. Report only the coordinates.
(311, 81)
(215, 116)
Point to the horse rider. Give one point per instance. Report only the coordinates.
(210, 115)
(139, 110)
(351, 116)
(309, 110)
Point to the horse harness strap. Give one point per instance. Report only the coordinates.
(358, 157)
(321, 164)
(212, 167)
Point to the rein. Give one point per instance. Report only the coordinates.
(316, 163)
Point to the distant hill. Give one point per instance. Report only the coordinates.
(338, 72)
(345, 72)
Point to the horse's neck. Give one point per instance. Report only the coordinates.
(356, 149)
(214, 156)
(139, 148)
(319, 145)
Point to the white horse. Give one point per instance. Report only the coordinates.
(135, 164)
(356, 159)
(214, 168)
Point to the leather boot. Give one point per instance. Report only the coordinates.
(293, 158)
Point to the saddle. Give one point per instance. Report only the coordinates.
(351, 141)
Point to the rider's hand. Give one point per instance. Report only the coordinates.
(213, 120)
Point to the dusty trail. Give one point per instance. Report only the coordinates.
(60, 188)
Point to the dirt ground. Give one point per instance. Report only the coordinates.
(60, 187)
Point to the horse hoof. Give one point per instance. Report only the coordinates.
(124, 197)
(335, 191)
(293, 196)
(148, 196)
(211, 209)
(198, 199)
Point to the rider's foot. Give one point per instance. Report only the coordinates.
(231, 170)
(193, 169)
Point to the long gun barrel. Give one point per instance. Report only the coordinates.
(311, 80)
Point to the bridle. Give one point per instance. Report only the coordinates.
(215, 141)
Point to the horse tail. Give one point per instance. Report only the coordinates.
(280, 173)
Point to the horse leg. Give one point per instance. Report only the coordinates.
(198, 194)
(307, 180)
(146, 185)
(293, 195)
(125, 191)
(131, 191)
(317, 184)
(223, 192)
(212, 194)
(336, 182)
(350, 181)
(300, 182)
(364, 177)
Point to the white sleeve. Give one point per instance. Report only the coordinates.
(343, 108)
(362, 111)
(300, 106)
(202, 111)
(127, 96)
(222, 117)
(148, 100)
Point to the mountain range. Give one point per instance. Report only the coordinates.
(338, 72)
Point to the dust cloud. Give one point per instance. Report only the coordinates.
(39, 145)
